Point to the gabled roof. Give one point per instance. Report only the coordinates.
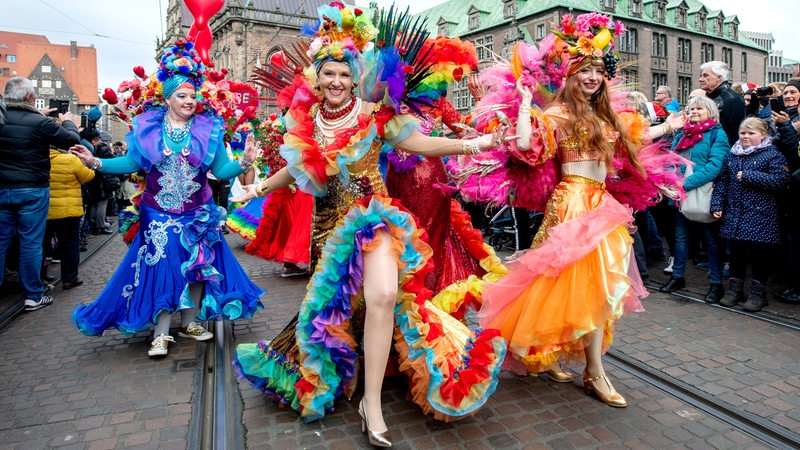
(9, 41)
(80, 72)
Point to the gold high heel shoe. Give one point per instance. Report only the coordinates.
(613, 398)
(382, 439)
(559, 375)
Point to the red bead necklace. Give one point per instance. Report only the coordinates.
(338, 113)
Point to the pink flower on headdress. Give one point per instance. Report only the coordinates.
(182, 62)
(619, 28)
(597, 53)
(339, 5)
(592, 20)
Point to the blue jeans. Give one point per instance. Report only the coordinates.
(710, 235)
(24, 211)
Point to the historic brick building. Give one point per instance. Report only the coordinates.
(666, 43)
(64, 72)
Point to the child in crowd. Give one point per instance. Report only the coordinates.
(746, 199)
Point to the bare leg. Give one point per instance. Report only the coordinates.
(380, 294)
(592, 351)
(594, 377)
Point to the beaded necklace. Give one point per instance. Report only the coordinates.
(176, 134)
(337, 113)
(328, 127)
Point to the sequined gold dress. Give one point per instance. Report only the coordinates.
(452, 370)
(578, 277)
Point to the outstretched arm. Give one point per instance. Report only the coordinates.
(420, 144)
(280, 179)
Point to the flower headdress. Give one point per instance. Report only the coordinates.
(340, 34)
(590, 40)
(180, 65)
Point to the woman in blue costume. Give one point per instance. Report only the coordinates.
(178, 259)
(372, 259)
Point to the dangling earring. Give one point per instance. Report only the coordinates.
(354, 88)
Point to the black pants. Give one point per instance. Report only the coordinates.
(67, 232)
(758, 255)
(219, 192)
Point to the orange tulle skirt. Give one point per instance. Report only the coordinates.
(580, 278)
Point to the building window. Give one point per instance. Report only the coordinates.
(5, 71)
(46, 69)
(706, 53)
(444, 29)
(462, 99)
(727, 57)
(474, 20)
(11, 58)
(609, 5)
(702, 22)
(58, 84)
(540, 31)
(631, 75)
(629, 42)
(39, 104)
(636, 7)
(680, 17)
(509, 8)
(733, 31)
(34, 82)
(744, 62)
(659, 79)
(659, 45)
(684, 49)
(483, 46)
(46, 84)
(658, 11)
(718, 26)
(684, 87)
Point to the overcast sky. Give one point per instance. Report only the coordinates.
(124, 32)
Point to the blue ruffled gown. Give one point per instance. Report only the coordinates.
(179, 240)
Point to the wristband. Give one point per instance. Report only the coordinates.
(95, 164)
(245, 165)
(262, 187)
(470, 147)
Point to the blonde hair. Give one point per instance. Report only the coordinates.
(707, 104)
(754, 123)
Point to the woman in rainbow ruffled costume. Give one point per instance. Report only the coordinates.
(562, 298)
(462, 261)
(372, 258)
(178, 258)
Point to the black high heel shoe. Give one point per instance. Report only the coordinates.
(382, 439)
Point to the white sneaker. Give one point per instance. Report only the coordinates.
(33, 305)
(668, 269)
(159, 345)
(195, 331)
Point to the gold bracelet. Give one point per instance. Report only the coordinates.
(262, 187)
(470, 147)
(667, 128)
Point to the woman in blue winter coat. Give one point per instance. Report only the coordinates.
(746, 199)
(704, 143)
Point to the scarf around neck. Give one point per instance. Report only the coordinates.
(738, 150)
(693, 133)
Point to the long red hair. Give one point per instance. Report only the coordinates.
(584, 115)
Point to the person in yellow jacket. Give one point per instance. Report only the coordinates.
(67, 174)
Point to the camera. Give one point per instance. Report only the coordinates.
(764, 91)
(84, 120)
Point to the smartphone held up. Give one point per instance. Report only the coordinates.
(60, 106)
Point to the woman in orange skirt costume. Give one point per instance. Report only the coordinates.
(563, 297)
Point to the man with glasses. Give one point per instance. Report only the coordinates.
(664, 95)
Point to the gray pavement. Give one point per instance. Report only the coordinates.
(60, 389)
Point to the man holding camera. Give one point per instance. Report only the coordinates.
(714, 80)
(25, 142)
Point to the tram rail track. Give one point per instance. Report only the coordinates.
(757, 427)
